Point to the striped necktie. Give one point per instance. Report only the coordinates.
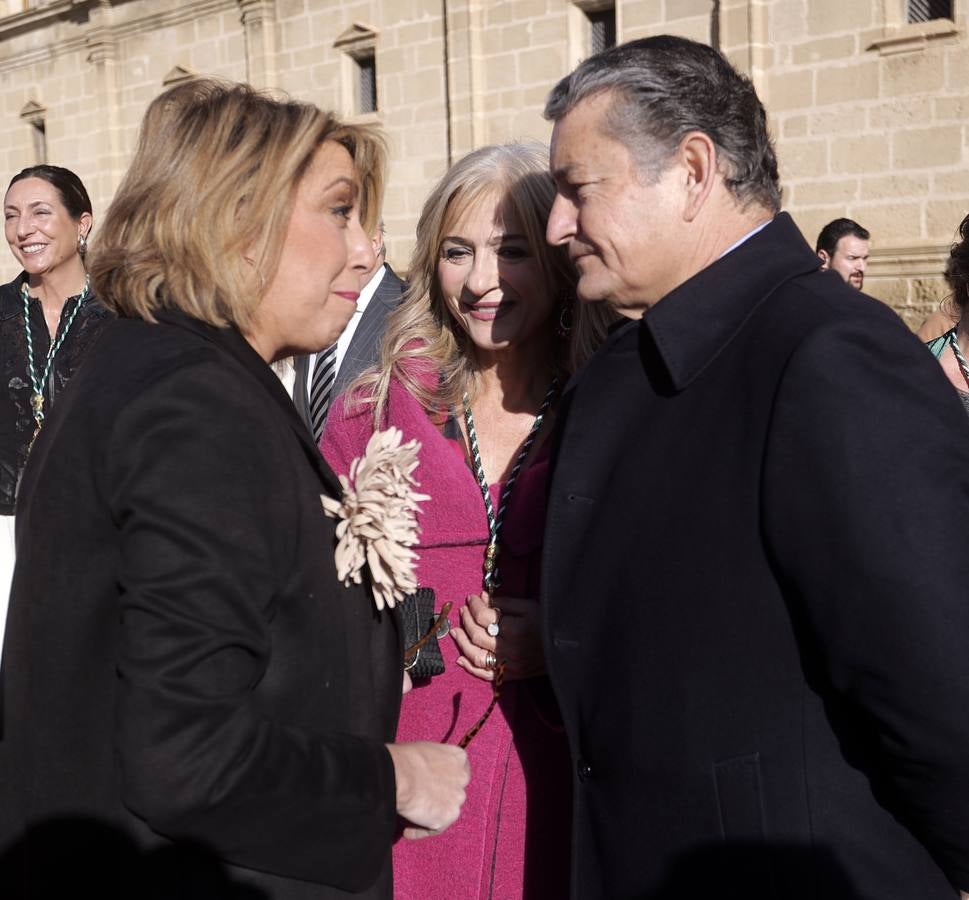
(321, 385)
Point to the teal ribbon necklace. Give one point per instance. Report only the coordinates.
(495, 520)
(38, 384)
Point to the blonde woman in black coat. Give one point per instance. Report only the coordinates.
(192, 699)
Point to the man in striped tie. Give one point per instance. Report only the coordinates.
(320, 377)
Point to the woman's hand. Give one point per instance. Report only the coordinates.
(518, 642)
(431, 779)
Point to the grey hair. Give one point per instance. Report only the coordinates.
(665, 87)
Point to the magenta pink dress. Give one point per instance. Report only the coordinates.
(512, 839)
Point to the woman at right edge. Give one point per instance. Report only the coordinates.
(952, 348)
(472, 366)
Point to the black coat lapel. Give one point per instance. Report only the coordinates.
(231, 342)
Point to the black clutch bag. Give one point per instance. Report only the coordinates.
(422, 653)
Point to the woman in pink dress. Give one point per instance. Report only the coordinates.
(472, 365)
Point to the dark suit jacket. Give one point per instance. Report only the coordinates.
(755, 595)
(364, 349)
(180, 658)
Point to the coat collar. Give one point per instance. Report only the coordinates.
(692, 323)
(229, 340)
(10, 300)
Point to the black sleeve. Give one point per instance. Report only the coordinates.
(867, 511)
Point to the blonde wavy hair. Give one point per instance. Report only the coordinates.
(199, 219)
(423, 329)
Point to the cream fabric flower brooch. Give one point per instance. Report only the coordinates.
(378, 517)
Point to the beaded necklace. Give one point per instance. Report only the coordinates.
(38, 384)
(491, 579)
(960, 358)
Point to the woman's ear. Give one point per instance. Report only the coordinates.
(85, 223)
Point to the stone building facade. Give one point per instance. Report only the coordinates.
(869, 109)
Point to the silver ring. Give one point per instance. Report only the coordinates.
(493, 629)
(491, 661)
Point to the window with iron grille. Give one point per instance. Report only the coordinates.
(925, 10)
(366, 82)
(602, 30)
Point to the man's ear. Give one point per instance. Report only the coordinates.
(825, 260)
(698, 154)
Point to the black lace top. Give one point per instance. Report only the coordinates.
(16, 416)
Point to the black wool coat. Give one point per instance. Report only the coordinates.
(756, 595)
(193, 704)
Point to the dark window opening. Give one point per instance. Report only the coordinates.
(602, 30)
(926, 10)
(39, 134)
(366, 83)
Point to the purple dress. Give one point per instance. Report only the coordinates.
(512, 839)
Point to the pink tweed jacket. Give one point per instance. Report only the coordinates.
(512, 839)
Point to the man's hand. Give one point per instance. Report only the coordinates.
(431, 779)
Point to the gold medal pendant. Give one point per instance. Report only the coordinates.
(490, 564)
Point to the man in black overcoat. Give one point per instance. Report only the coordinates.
(755, 573)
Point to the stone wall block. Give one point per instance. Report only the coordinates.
(790, 90)
(548, 31)
(849, 119)
(840, 84)
(898, 113)
(819, 193)
(792, 127)
(643, 16)
(290, 9)
(838, 16)
(804, 159)
(868, 153)
(912, 73)
(942, 218)
(920, 148)
(903, 220)
(542, 68)
(896, 186)
(526, 10)
(949, 183)
(824, 50)
(501, 72)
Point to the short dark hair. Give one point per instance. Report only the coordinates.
(665, 87)
(957, 267)
(69, 187)
(834, 231)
